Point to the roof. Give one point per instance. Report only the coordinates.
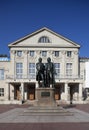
(40, 30)
(84, 59)
(4, 59)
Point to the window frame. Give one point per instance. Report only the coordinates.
(1, 92)
(69, 69)
(44, 53)
(56, 53)
(32, 53)
(19, 53)
(32, 70)
(44, 39)
(57, 69)
(69, 54)
(19, 70)
(1, 74)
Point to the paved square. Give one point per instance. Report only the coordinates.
(22, 115)
(12, 117)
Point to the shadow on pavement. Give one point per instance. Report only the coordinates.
(69, 106)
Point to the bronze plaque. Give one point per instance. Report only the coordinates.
(45, 94)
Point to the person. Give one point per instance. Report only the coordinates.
(40, 72)
(50, 72)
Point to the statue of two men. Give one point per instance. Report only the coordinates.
(45, 73)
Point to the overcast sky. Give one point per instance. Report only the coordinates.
(69, 18)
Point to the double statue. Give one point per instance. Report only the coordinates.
(45, 73)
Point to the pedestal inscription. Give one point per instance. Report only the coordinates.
(45, 94)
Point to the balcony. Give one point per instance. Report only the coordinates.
(33, 77)
(68, 77)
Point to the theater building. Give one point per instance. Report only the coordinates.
(18, 74)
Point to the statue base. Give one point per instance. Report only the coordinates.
(45, 96)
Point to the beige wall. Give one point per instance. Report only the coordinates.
(6, 66)
(62, 59)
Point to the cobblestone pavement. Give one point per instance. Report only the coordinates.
(45, 126)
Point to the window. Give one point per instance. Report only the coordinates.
(19, 70)
(56, 53)
(69, 53)
(32, 53)
(1, 74)
(44, 53)
(44, 39)
(19, 53)
(57, 69)
(31, 70)
(69, 69)
(1, 92)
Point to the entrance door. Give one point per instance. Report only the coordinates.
(71, 93)
(74, 89)
(57, 93)
(17, 94)
(31, 92)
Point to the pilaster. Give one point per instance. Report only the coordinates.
(80, 91)
(22, 91)
(7, 91)
(66, 91)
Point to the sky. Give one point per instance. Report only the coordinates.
(69, 18)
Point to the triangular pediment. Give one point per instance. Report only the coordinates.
(32, 40)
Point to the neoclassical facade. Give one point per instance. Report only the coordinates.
(18, 74)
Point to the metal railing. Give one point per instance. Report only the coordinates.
(70, 77)
(33, 77)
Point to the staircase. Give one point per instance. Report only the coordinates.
(46, 111)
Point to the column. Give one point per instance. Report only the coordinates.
(37, 85)
(80, 91)
(7, 91)
(22, 91)
(25, 92)
(66, 91)
(25, 64)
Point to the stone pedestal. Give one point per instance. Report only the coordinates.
(45, 96)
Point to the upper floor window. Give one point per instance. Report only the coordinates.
(44, 53)
(69, 53)
(1, 92)
(19, 53)
(57, 69)
(1, 74)
(19, 70)
(32, 53)
(44, 39)
(56, 53)
(31, 70)
(69, 69)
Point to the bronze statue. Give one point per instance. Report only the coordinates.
(50, 72)
(40, 73)
(45, 73)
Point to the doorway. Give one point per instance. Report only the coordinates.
(17, 93)
(31, 91)
(57, 92)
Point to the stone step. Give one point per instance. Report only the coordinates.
(45, 108)
(46, 111)
(47, 114)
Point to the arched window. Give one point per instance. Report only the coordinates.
(44, 39)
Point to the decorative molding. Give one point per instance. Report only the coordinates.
(38, 52)
(50, 52)
(76, 52)
(63, 52)
(25, 51)
(13, 51)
